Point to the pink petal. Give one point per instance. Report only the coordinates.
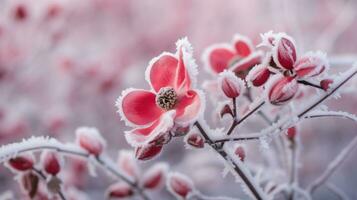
(242, 45)
(188, 107)
(218, 58)
(285, 53)
(143, 136)
(138, 107)
(242, 68)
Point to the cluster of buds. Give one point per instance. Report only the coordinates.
(151, 179)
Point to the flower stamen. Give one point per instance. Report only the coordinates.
(166, 98)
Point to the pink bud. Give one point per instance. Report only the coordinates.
(195, 140)
(325, 84)
(258, 76)
(51, 162)
(243, 66)
(285, 52)
(179, 185)
(282, 89)
(242, 45)
(119, 190)
(231, 85)
(20, 12)
(181, 131)
(22, 162)
(155, 176)
(291, 132)
(90, 140)
(240, 152)
(311, 64)
(226, 110)
(147, 152)
(128, 164)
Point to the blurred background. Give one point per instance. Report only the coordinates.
(63, 63)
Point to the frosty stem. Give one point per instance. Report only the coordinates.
(38, 144)
(249, 182)
(43, 176)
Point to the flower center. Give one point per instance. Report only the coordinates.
(166, 98)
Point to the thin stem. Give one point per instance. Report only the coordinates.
(293, 167)
(337, 191)
(332, 167)
(309, 84)
(43, 176)
(245, 177)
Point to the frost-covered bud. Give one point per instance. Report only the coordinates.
(51, 162)
(181, 131)
(128, 164)
(155, 176)
(325, 84)
(281, 89)
(242, 45)
(29, 183)
(119, 190)
(147, 152)
(240, 152)
(179, 185)
(291, 133)
(20, 12)
(22, 162)
(311, 64)
(90, 140)
(226, 109)
(284, 52)
(195, 140)
(231, 85)
(258, 76)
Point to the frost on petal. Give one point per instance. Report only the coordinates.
(231, 85)
(311, 64)
(155, 176)
(243, 66)
(161, 71)
(179, 185)
(90, 140)
(268, 39)
(284, 52)
(258, 76)
(119, 190)
(242, 45)
(143, 136)
(127, 163)
(281, 89)
(218, 57)
(138, 107)
(189, 107)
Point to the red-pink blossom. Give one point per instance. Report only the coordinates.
(155, 176)
(51, 162)
(281, 89)
(179, 185)
(311, 64)
(172, 99)
(22, 162)
(258, 76)
(284, 52)
(147, 152)
(230, 84)
(90, 140)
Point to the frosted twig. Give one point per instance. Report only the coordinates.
(337, 191)
(315, 114)
(199, 196)
(43, 176)
(332, 167)
(34, 144)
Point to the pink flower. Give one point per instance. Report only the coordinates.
(90, 140)
(170, 101)
(239, 56)
(179, 185)
(230, 84)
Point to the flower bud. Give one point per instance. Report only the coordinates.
(147, 152)
(226, 110)
(291, 133)
(90, 140)
(282, 89)
(240, 152)
(51, 162)
(155, 176)
(284, 52)
(231, 85)
(311, 64)
(22, 162)
(243, 66)
(20, 12)
(325, 84)
(195, 140)
(258, 76)
(179, 185)
(128, 164)
(119, 190)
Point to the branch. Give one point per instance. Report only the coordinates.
(332, 167)
(337, 191)
(34, 144)
(43, 176)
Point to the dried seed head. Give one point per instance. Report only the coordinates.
(166, 98)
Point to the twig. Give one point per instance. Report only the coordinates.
(43, 176)
(337, 191)
(332, 167)
(309, 84)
